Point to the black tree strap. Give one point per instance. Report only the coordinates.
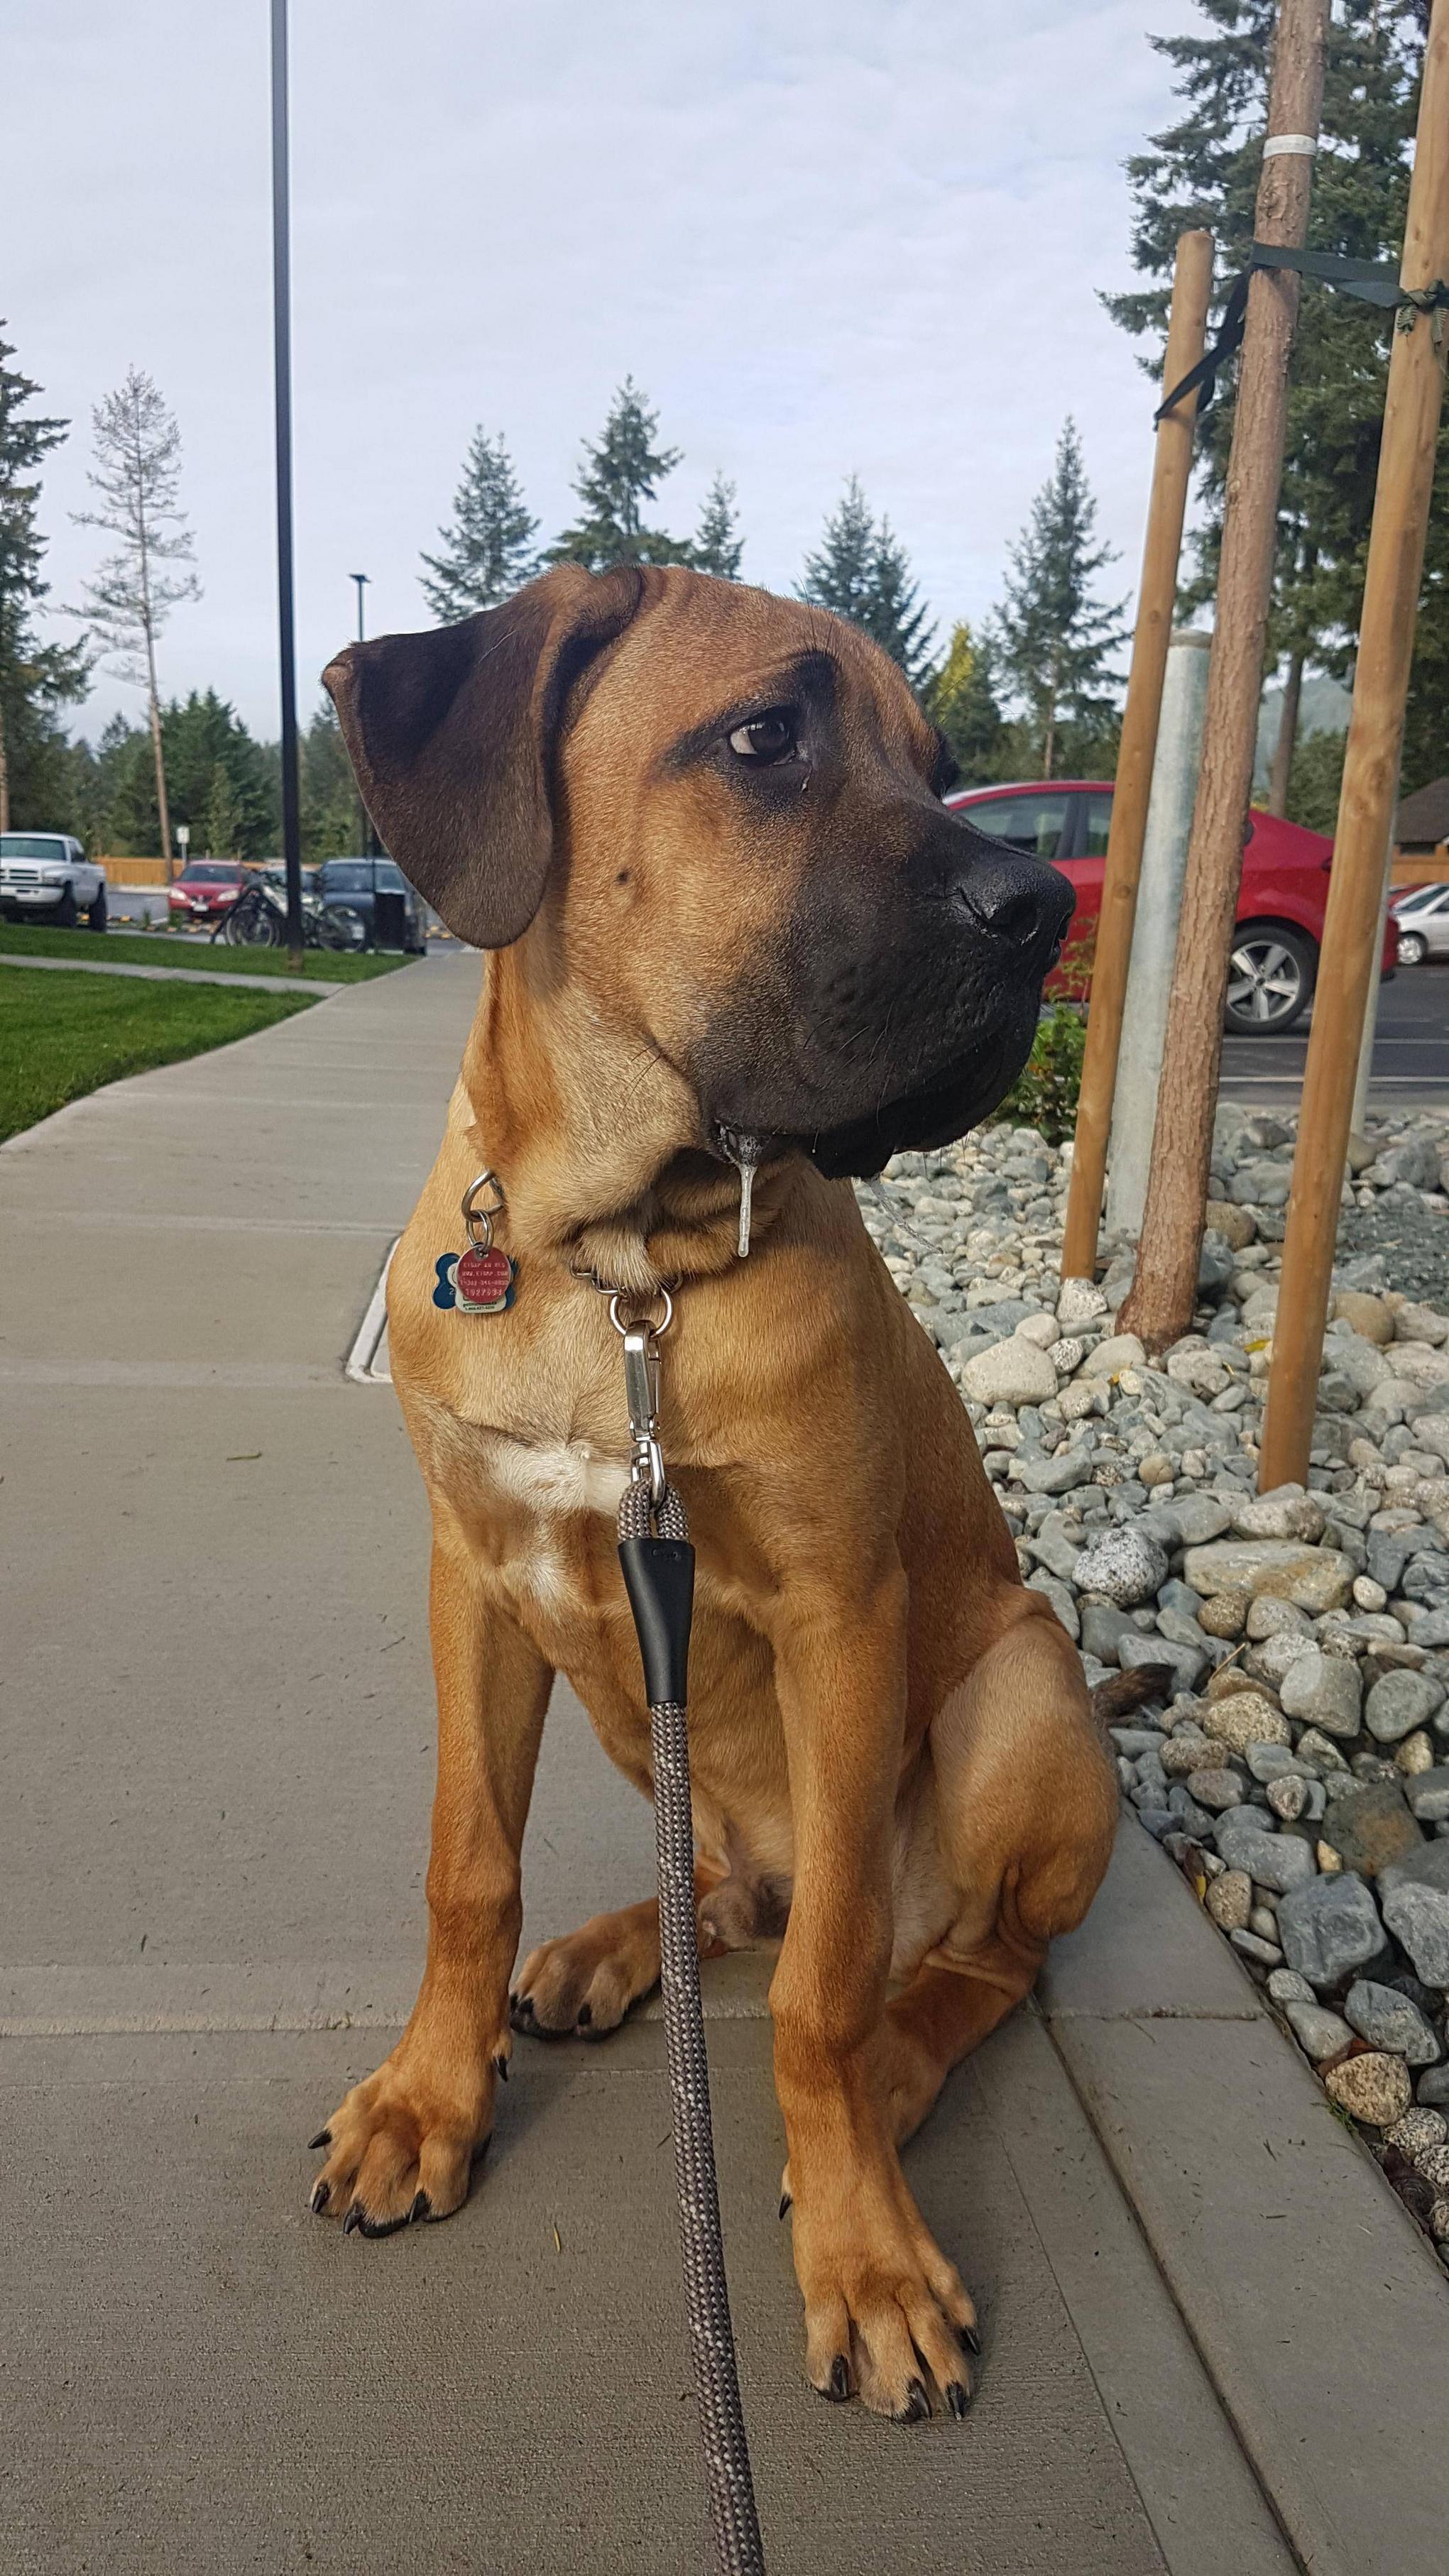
(1369, 281)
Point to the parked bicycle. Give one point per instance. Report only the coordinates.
(258, 919)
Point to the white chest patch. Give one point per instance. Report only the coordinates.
(568, 1479)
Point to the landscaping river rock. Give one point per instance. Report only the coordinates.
(1296, 1765)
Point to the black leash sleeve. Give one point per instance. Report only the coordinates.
(659, 1579)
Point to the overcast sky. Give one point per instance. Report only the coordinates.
(847, 236)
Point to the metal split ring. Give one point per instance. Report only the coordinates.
(478, 1222)
(634, 1323)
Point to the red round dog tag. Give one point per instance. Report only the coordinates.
(484, 1278)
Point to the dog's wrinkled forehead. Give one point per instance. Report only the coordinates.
(618, 683)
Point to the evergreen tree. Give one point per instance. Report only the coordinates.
(137, 474)
(34, 677)
(718, 545)
(200, 737)
(1315, 780)
(487, 545)
(619, 475)
(960, 698)
(839, 576)
(1204, 170)
(222, 829)
(333, 824)
(1054, 638)
(901, 627)
(862, 571)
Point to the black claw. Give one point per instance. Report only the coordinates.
(321, 2194)
(500, 2068)
(917, 2403)
(322, 2139)
(839, 2388)
(353, 2220)
(585, 2016)
(971, 2340)
(958, 2397)
(422, 2208)
(786, 2203)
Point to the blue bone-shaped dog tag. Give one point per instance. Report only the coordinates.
(445, 1294)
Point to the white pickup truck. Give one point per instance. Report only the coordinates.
(46, 876)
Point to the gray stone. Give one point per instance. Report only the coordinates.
(1103, 1627)
(1285, 1986)
(1242, 1719)
(1124, 1565)
(1329, 1927)
(1400, 1702)
(1266, 1954)
(1323, 1689)
(1387, 2019)
(1433, 2085)
(1201, 1517)
(1188, 1663)
(1428, 1794)
(1010, 1372)
(1108, 1358)
(1059, 1475)
(1279, 1861)
(1062, 1600)
(1287, 1512)
(1371, 1825)
(1217, 1789)
(1418, 1918)
(1320, 2032)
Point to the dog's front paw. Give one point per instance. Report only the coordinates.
(583, 1985)
(885, 2313)
(402, 2146)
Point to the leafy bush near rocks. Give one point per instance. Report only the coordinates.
(1044, 1094)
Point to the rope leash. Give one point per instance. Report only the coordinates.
(658, 1565)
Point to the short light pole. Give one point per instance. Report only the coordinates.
(282, 351)
(364, 819)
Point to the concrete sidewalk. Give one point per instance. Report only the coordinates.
(1212, 2341)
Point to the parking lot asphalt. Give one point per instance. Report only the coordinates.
(1411, 1050)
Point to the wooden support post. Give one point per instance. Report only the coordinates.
(1164, 1292)
(1172, 466)
(1370, 773)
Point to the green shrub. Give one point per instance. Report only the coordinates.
(1045, 1092)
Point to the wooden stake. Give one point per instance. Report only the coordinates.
(1164, 1292)
(1370, 772)
(1187, 323)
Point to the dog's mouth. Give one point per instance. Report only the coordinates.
(935, 1112)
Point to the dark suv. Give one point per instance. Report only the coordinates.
(374, 895)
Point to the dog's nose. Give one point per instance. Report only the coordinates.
(1017, 899)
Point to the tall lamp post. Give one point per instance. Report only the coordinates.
(282, 353)
(369, 840)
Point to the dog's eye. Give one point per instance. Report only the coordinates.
(767, 738)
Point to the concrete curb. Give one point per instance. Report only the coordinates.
(318, 985)
(1316, 2307)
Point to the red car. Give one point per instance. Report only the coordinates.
(205, 889)
(1281, 903)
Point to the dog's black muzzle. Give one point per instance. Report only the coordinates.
(898, 1010)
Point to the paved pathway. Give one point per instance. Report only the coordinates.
(215, 1734)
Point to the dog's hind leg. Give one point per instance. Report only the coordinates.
(403, 2143)
(1025, 1809)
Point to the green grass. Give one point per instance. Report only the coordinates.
(58, 1040)
(159, 948)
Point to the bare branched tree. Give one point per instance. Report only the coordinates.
(137, 474)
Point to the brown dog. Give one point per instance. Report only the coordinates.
(702, 829)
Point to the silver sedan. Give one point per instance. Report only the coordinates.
(1424, 929)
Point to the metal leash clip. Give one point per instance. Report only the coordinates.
(641, 1392)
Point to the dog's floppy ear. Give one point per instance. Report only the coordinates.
(452, 736)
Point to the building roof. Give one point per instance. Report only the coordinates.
(1424, 816)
